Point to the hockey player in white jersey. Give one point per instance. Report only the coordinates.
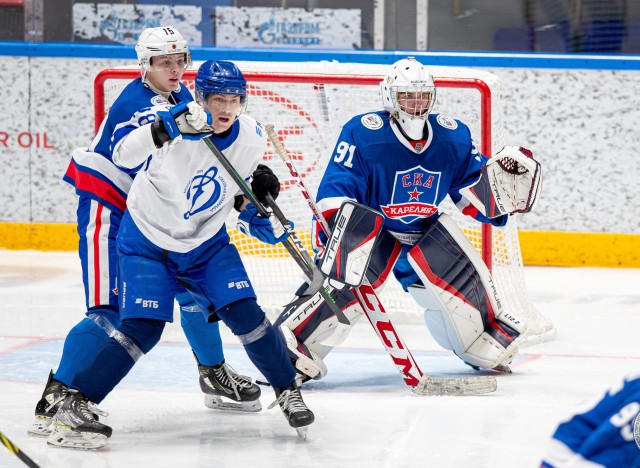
(402, 162)
(102, 189)
(173, 231)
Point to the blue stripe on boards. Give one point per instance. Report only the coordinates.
(459, 59)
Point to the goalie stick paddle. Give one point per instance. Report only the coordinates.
(376, 314)
(293, 245)
(13, 448)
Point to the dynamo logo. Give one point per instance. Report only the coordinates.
(204, 191)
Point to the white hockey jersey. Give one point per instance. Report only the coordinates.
(182, 195)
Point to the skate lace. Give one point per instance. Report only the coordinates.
(89, 409)
(290, 400)
(230, 378)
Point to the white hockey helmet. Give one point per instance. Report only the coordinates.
(160, 41)
(409, 93)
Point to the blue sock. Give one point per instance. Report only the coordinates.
(204, 338)
(83, 341)
(113, 362)
(262, 341)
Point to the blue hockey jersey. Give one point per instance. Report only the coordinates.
(374, 164)
(601, 434)
(92, 172)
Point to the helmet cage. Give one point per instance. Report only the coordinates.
(409, 94)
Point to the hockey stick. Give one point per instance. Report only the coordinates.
(293, 245)
(13, 448)
(379, 319)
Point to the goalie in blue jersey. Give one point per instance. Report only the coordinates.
(402, 162)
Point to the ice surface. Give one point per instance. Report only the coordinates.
(365, 416)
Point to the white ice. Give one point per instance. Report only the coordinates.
(365, 416)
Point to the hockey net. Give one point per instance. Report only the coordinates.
(308, 103)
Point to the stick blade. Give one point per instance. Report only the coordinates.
(455, 386)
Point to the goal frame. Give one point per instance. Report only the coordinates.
(485, 113)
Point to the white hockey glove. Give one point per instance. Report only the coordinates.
(515, 178)
(185, 120)
(198, 117)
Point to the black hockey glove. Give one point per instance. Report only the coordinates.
(264, 181)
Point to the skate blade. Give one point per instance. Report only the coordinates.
(65, 437)
(217, 403)
(40, 427)
(302, 432)
(455, 386)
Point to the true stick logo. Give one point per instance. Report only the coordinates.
(636, 429)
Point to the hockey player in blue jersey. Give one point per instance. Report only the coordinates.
(402, 162)
(173, 232)
(604, 433)
(102, 188)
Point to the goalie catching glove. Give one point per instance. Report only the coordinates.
(188, 120)
(268, 230)
(510, 183)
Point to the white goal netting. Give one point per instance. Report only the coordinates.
(308, 103)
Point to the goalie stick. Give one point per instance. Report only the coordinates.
(293, 245)
(13, 448)
(419, 383)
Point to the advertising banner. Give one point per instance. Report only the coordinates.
(320, 28)
(117, 23)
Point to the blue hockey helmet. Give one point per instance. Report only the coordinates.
(220, 77)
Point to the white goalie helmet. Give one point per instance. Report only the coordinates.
(409, 93)
(165, 40)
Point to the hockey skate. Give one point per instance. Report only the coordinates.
(75, 426)
(295, 410)
(52, 398)
(225, 389)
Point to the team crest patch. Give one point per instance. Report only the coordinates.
(159, 101)
(415, 194)
(447, 122)
(371, 121)
(206, 191)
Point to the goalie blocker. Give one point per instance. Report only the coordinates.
(462, 308)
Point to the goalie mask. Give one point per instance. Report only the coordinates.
(221, 77)
(408, 94)
(154, 42)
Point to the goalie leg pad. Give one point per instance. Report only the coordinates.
(313, 322)
(304, 360)
(351, 244)
(463, 309)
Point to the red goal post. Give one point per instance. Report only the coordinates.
(308, 109)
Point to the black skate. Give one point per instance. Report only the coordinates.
(225, 389)
(74, 424)
(294, 409)
(52, 398)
